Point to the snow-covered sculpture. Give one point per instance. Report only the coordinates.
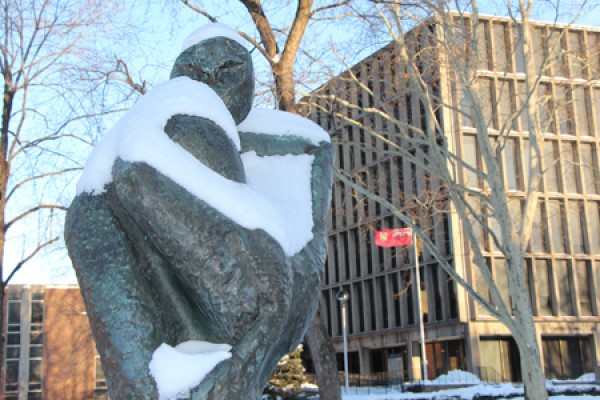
(197, 232)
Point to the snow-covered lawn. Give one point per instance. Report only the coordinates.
(469, 387)
(478, 388)
(469, 393)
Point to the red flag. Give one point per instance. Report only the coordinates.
(394, 237)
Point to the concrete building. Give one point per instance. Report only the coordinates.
(50, 351)
(563, 262)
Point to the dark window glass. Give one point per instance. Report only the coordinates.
(34, 396)
(36, 338)
(12, 375)
(35, 370)
(37, 296)
(13, 352)
(14, 312)
(37, 312)
(564, 280)
(566, 358)
(555, 214)
(543, 284)
(584, 280)
(13, 339)
(36, 351)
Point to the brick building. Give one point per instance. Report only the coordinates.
(50, 351)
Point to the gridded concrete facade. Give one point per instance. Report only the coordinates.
(50, 351)
(563, 262)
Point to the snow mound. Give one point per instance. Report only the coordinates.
(589, 377)
(457, 377)
(213, 30)
(281, 123)
(178, 369)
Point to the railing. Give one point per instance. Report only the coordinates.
(384, 379)
(488, 374)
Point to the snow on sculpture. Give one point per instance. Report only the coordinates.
(188, 229)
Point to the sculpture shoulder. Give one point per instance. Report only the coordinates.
(274, 132)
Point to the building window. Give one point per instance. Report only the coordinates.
(576, 225)
(512, 165)
(499, 360)
(564, 280)
(567, 357)
(555, 215)
(539, 241)
(472, 160)
(544, 285)
(587, 152)
(582, 111)
(407, 294)
(584, 282)
(569, 166)
(593, 221)
(501, 52)
(551, 172)
(101, 389)
(545, 107)
(565, 116)
(482, 288)
(444, 356)
(483, 48)
(522, 96)
(576, 53)
(518, 49)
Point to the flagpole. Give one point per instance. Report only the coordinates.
(419, 308)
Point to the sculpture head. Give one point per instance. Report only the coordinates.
(226, 66)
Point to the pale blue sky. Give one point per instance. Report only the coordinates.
(161, 33)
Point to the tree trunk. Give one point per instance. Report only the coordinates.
(323, 355)
(531, 365)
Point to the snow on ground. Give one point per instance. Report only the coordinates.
(478, 388)
(454, 394)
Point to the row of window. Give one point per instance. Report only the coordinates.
(390, 301)
(567, 166)
(352, 253)
(560, 225)
(567, 53)
(564, 109)
(563, 287)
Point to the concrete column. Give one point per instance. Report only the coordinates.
(415, 359)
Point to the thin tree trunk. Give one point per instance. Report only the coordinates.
(525, 332)
(323, 355)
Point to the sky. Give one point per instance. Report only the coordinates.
(162, 32)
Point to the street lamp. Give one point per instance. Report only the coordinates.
(342, 296)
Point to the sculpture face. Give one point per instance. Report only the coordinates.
(225, 66)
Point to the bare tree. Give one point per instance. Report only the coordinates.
(437, 68)
(55, 61)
